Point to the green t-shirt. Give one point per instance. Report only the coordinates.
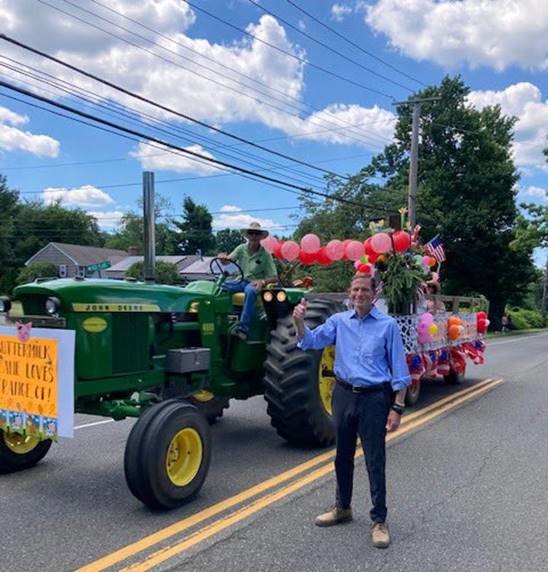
(256, 266)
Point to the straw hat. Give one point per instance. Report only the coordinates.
(255, 227)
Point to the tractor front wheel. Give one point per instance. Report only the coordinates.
(299, 385)
(19, 452)
(167, 454)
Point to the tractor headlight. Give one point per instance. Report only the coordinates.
(5, 304)
(281, 296)
(268, 296)
(53, 305)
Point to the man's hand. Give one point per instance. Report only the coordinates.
(258, 284)
(299, 313)
(393, 422)
(224, 258)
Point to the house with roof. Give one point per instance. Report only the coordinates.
(76, 260)
(118, 270)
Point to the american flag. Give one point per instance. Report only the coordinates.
(435, 248)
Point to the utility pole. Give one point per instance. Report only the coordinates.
(414, 156)
(148, 224)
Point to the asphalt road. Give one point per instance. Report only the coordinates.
(467, 491)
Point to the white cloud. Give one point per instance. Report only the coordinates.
(107, 220)
(14, 139)
(537, 193)
(340, 11)
(523, 100)
(84, 196)
(233, 217)
(166, 160)
(230, 99)
(9, 116)
(494, 33)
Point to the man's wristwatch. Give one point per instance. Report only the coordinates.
(398, 408)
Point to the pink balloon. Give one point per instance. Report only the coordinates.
(357, 264)
(354, 250)
(290, 250)
(334, 249)
(426, 261)
(310, 243)
(381, 243)
(269, 243)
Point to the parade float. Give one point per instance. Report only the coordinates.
(439, 332)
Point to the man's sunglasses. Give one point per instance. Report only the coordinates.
(254, 232)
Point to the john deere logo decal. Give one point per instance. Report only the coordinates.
(95, 325)
(115, 307)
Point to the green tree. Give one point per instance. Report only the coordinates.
(8, 211)
(228, 239)
(195, 231)
(131, 233)
(165, 272)
(37, 270)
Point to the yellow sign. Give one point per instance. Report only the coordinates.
(95, 325)
(77, 307)
(28, 375)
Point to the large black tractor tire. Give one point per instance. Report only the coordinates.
(298, 386)
(19, 452)
(213, 408)
(454, 378)
(413, 393)
(167, 454)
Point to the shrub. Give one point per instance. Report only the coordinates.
(37, 270)
(523, 319)
(165, 272)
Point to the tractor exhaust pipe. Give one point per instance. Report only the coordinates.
(148, 223)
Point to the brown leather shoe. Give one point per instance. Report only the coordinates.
(380, 535)
(334, 516)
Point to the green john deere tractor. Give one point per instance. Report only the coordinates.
(167, 355)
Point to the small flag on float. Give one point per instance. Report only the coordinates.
(435, 248)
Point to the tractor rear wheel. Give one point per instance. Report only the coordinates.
(19, 452)
(167, 454)
(299, 385)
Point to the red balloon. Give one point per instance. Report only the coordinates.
(481, 315)
(310, 243)
(277, 249)
(307, 258)
(402, 241)
(345, 242)
(368, 248)
(364, 269)
(322, 257)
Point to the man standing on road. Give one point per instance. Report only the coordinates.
(370, 365)
(258, 270)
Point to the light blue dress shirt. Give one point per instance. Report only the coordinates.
(368, 350)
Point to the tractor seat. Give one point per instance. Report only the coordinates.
(238, 299)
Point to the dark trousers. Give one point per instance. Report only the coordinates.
(363, 414)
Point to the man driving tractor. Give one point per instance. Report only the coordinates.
(258, 270)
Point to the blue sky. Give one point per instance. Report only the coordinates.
(499, 47)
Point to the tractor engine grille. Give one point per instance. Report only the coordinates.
(130, 342)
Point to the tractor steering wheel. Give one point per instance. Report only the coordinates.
(216, 263)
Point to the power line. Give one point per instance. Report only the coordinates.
(149, 138)
(327, 47)
(349, 41)
(163, 107)
(289, 54)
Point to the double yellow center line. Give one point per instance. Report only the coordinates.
(409, 423)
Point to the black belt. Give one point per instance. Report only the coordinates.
(385, 386)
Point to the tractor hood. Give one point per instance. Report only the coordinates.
(83, 295)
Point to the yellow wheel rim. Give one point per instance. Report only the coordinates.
(326, 379)
(203, 396)
(20, 444)
(184, 457)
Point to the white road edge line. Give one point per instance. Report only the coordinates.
(515, 339)
(94, 423)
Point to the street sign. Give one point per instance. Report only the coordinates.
(98, 266)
